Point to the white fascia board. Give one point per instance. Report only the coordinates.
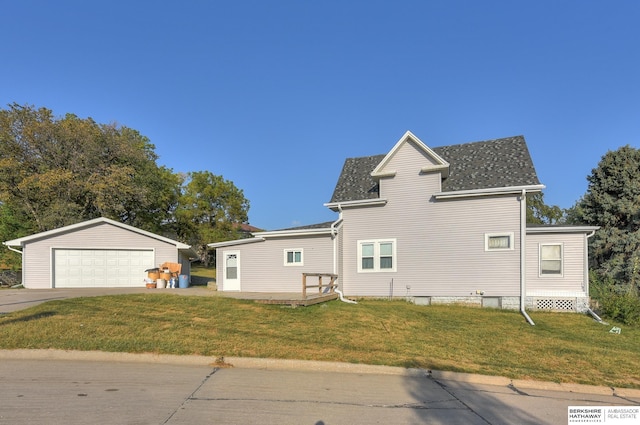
(390, 173)
(489, 191)
(440, 162)
(358, 203)
(434, 168)
(562, 229)
(235, 242)
(72, 227)
(291, 233)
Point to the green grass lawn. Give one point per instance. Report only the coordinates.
(201, 275)
(561, 347)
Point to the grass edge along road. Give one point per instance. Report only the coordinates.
(562, 347)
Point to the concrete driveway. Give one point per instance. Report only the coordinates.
(19, 299)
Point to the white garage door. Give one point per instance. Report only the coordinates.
(99, 268)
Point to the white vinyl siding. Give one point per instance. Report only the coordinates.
(38, 254)
(262, 267)
(571, 281)
(440, 243)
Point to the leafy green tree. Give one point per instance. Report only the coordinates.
(540, 213)
(12, 225)
(209, 210)
(59, 171)
(612, 202)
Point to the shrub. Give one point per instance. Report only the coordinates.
(615, 302)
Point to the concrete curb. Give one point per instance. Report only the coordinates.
(313, 366)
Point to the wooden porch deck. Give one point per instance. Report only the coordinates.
(325, 292)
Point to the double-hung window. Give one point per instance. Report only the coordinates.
(293, 257)
(551, 259)
(377, 256)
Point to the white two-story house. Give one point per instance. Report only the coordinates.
(435, 225)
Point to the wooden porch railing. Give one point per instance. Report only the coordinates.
(331, 286)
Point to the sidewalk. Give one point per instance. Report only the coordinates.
(318, 366)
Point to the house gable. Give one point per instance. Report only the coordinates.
(485, 165)
(431, 160)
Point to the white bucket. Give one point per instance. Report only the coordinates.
(161, 283)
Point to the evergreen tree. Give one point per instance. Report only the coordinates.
(612, 202)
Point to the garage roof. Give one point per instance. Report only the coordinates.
(78, 226)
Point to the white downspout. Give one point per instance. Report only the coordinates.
(586, 261)
(14, 250)
(586, 276)
(523, 255)
(334, 235)
(21, 259)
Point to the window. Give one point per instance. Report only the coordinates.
(232, 266)
(498, 241)
(293, 257)
(377, 256)
(551, 259)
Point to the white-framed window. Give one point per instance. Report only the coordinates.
(498, 241)
(551, 259)
(378, 255)
(294, 257)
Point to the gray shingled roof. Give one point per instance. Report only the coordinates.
(479, 165)
(325, 225)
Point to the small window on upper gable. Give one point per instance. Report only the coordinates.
(498, 241)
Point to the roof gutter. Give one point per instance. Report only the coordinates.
(357, 203)
(511, 190)
(300, 232)
(236, 242)
(12, 249)
(589, 230)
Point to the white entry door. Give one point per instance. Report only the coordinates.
(231, 271)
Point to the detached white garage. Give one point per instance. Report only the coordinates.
(99, 253)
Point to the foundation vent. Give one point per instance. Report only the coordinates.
(558, 304)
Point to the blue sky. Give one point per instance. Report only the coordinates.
(274, 95)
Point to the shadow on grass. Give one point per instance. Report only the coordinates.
(29, 318)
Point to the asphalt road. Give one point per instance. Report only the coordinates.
(50, 391)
